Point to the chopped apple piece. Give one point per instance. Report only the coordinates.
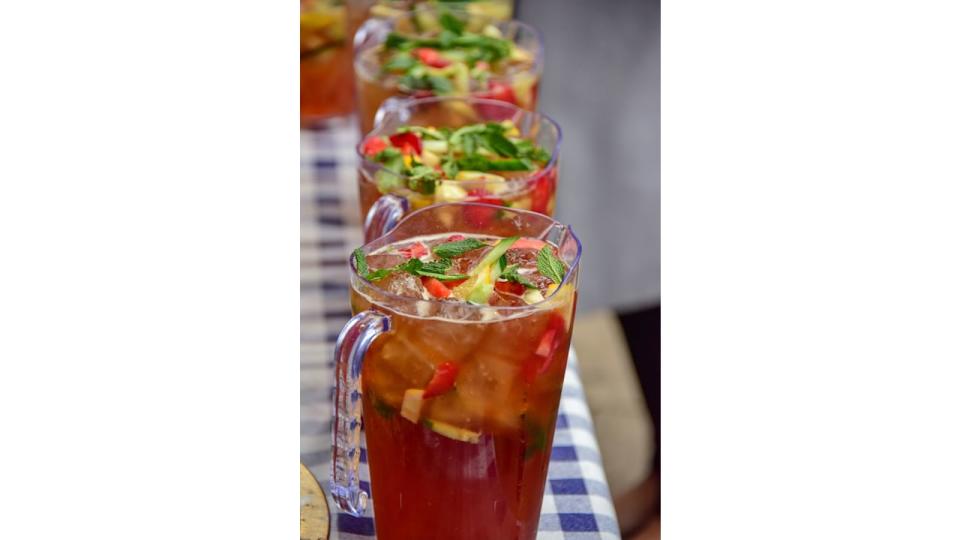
(412, 404)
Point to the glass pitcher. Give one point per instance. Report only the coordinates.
(473, 464)
(381, 208)
(374, 84)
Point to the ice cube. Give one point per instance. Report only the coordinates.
(499, 298)
(403, 284)
(466, 262)
(384, 260)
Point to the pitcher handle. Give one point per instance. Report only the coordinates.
(352, 345)
(384, 215)
(392, 108)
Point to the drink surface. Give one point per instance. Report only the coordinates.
(436, 53)
(487, 162)
(459, 415)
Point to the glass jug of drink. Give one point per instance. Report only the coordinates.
(454, 366)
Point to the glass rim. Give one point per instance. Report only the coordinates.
(409, 102)
(574, 266)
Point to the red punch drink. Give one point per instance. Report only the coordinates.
(460, 342)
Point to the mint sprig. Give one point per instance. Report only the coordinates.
(549, 265)
(435, 269)
(360, 260)
(510, 274)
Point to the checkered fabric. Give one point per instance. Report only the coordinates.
(576, 503)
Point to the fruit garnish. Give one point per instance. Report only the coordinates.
(528, 243)
(412, 404)
(452, 432)
(373, 146)
(479, 286)
(543, 355)
(435, 161)
(442, 381)
(435, 287)
(407, 142)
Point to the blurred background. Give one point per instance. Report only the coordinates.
(601, 83)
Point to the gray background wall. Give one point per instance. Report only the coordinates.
(601, 83)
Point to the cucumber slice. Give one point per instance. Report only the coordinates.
(452, 432)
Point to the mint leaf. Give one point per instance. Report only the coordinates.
(437, 267)
(510, 274)
(391, 158)
(509, 165)
(360, 260)
(423, 179)
(458, 248)
(473, 128)
(450, 168)
(550, 266)
(399, 63)
(473, 163)
(440, 85)
(377, 275)
(451, 23)
(501, 144)
(394, 40)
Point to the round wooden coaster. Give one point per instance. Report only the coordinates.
(314, 513)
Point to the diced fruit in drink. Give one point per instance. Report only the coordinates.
(449, 191)
(416, 249)
(528, 243)
(532, 296)
(412, 404)
(466, 268)
(443, 55)
(374, 145)
(407, 142)
(435, 287)
(484, 162)
(442, 380)
(452, 432)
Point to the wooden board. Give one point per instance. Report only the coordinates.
(314, 513)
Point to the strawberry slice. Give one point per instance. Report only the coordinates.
(442, 381)
(502, 92)
(407, 142)
(435, 287)
(510, 287)
(416, 250)
(499, 92)
(373, 146)
(431, 57)
(528, 243)
(542, 190)
(543, 356)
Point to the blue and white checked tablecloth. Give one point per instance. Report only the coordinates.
(576, 505)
